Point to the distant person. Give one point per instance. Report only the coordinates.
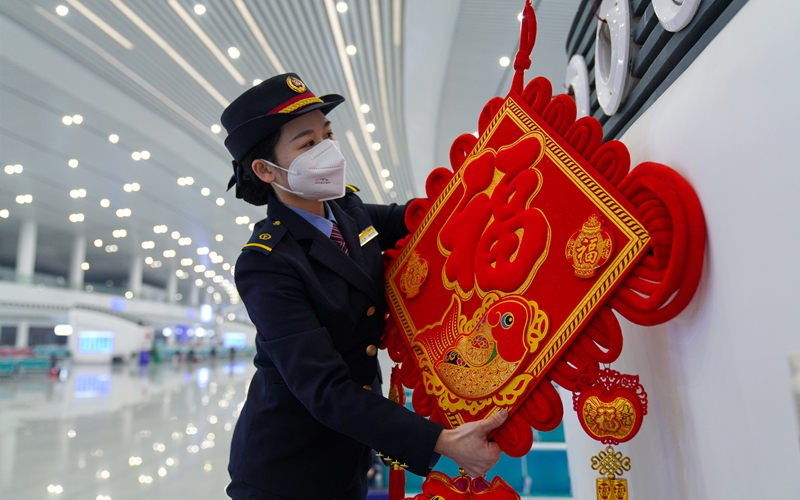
(311, 278)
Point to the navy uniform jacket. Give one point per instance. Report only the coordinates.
(310, 417)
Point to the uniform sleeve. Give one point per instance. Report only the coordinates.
(305, 356)
(389, 221)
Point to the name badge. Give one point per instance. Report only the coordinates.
(367, 235)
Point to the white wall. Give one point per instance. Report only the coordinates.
(722, 422)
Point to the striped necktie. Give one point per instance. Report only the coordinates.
(337, 238)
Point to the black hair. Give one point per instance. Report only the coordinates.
(254, 190)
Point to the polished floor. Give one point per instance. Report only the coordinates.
(98, 433)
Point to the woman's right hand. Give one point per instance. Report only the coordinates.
(469, 447)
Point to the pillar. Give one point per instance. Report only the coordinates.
(135, 275)
(26, 252)
(77, 258)
(194, 295)
(172, 284)
(22, 334)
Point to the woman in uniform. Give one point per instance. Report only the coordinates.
(311, 278)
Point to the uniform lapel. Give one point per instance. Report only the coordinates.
(324, 250)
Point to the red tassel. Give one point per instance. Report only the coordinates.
(397, 482)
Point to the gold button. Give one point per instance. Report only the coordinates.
(276, 223)
(368, 387)
(371, 311)
(372, 350)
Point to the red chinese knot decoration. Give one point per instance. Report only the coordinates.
(519, 259)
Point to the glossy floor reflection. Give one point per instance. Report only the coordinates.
(99, 433)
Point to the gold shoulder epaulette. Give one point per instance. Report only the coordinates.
(265, 236)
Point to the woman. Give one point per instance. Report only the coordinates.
(311, 278)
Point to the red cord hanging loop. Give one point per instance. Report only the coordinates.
(527, 38)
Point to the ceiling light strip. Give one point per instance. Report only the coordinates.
(355, 99)
(210, 45)
(150, 32)
(362, 162)
(129, 73)
(377, 36)
(91, 16)
(397, 22)
(259, 35)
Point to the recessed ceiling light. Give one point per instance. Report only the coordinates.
(76, 217)
(73, 163)
(220, 201)
(199, 268)
(85, 266)
(160, 229)
(186, 262)
(216, 129)
(129, 295)
(257, 81)
(234, 53)
(370, 127)
(175, 235)
(105, 203)
(226, 266)
(384, 173)
(13, 169)
(148, 245)
(219, 237)
(351, 50)
(202, 251)
(77, 193)
(67, 120)
(205, 191)
(136, 156)
(113, 138)
(341, 7)
(199, 9)
(23, 199)
(365, 108)
(77, 119)
(168, 254)
(504, 61)
(123, 212)
(199, 282)
(389, 184)
(376, 146)
(145, 155)
(189, 180)
(119, 233)
(4, 213)
(148, 260)
(98, 242)
(243, 220)
(111, 248)
(62, 10)
(185, 241)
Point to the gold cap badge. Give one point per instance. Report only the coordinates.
(296, 84)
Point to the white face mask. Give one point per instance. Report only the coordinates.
(317, 174)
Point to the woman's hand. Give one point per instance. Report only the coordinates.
(468, 446)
